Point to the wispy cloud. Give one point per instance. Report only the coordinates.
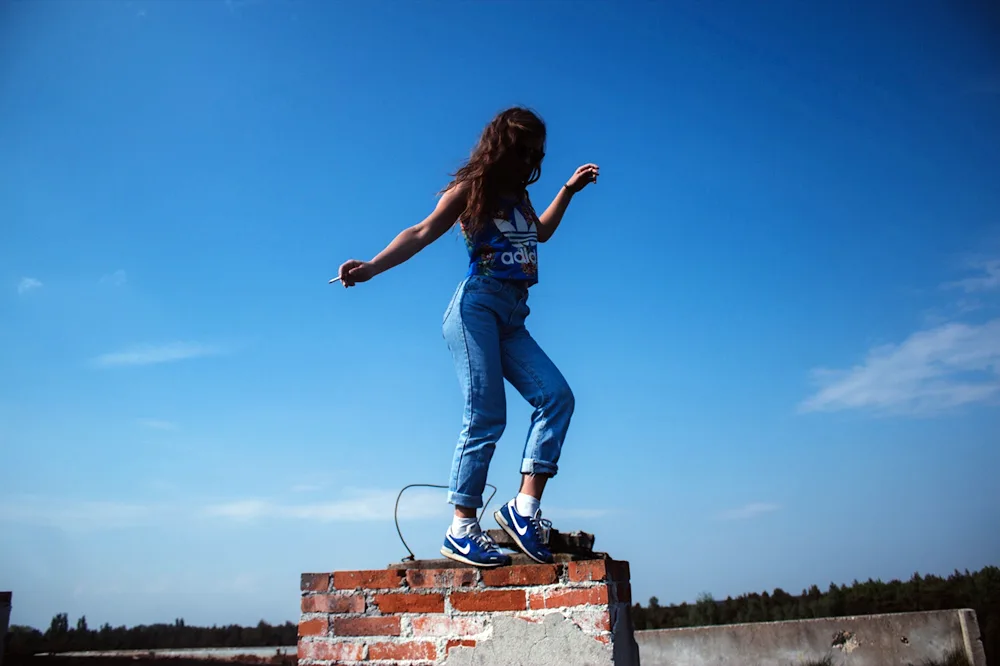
(117, 279)
(28, 284)
(152, 354)
(116, 587)
(749, 511)
(74, 515)
(948, 364)
(353, 506)
(987, 277)
(157, 424)
(930, 372)
(359, 506)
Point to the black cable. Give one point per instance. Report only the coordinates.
(395, 515)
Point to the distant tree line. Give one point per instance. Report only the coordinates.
(979, 591)
(60, 637)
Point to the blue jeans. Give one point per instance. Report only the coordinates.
(484, 329)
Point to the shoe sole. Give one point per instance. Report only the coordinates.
(512, 533)
(458, 558)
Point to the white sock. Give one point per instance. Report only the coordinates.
(526, 505)
(461, 527)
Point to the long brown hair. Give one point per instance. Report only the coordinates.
(504, 161)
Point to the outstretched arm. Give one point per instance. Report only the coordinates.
(409, 241)
(550, 219)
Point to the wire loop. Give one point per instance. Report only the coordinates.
(411, 557)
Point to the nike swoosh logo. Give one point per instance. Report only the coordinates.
(464, 551)
(520, 530)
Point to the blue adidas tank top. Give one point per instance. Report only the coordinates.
(507, 246)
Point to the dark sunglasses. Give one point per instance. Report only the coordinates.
(531, 154)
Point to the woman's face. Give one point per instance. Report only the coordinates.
(529, 152)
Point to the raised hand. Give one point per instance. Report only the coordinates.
(582, 177)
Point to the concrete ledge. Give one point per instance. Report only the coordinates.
(890, 639)
(5, 599)
(220, 654)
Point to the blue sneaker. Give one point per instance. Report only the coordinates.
(476, 548)
(530, 534)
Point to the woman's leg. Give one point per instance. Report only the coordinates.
(472, 332)
(541, 383)
(529, 369)
(533, 484)
(471, 329)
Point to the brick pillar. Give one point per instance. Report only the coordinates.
(573, 613)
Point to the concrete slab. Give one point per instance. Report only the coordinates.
(516, 642)
(893, 639)
(261, 654)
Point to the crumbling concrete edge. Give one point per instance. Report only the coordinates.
(625, 647)
(972, 637)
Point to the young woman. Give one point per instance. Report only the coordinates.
(484, 328)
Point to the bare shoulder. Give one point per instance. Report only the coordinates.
(456, 192)
(449, 208)
(453, 201)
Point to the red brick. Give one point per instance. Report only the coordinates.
(441, 578)
(570, 597)
(410, 603)
(327, 650)
(488, 600)
(458, 643)
(317, 627)
(333, 603)
(366, 626)
(379, 579)
(527, 574)
(315, 582)
(620, 571)
(585, 571)
(402, 651)
(432, 625)
(604, 638)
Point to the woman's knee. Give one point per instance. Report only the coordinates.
(487, 427)
(563, 399)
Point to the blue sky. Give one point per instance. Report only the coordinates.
(779, 308)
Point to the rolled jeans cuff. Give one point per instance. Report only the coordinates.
(531, 466)
(470, 501)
